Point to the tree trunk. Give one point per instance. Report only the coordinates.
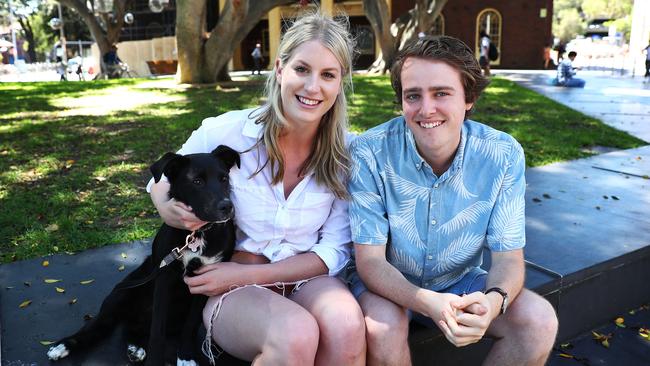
(206, 61)
(26, 25)
(377, 14)
(105, 36)
(190, 40)
(393, 37)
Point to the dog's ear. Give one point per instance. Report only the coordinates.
(168, 164)
(227, 155)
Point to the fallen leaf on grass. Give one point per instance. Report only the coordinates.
(50, 280)
(52, 228)
(59, 290)
(25, 304)
(46, 263)
(46, 343)
(100, 179)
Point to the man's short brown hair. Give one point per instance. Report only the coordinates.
(449, 50)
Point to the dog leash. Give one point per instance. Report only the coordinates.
(174, 255)
(191, 241)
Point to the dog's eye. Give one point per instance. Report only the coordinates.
(197, 181)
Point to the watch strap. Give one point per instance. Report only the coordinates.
(503, 294)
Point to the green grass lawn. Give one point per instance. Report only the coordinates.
(74, 156)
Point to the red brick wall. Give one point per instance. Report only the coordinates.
(523, 32)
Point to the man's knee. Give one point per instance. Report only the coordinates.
(535, 323)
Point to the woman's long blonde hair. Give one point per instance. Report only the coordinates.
(329, 160)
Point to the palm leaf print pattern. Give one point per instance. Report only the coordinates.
(456, 183)
(496, 150)
(404, 187)
(404, 262)
(404, 222)
(466, 217)
(508, 219)
(459, 252)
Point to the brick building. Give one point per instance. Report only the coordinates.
(520, 29)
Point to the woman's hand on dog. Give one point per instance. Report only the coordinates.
(179, 215)
(217, 278)
(175, 214)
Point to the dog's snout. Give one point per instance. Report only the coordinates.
(225, 206)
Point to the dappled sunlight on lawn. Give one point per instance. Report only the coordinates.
(112, 100)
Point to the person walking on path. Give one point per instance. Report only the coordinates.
(257, 59)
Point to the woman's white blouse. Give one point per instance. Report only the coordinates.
(311, 219)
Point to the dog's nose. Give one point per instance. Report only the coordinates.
(225, 206)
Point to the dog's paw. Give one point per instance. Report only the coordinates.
(135, 353)
(180, 362)
(57, 352)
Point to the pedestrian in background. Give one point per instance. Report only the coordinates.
(257, 59)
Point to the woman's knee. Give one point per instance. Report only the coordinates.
(343, 326)
(295, 337)
(385, 321)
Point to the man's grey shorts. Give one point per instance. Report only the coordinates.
(473, 281)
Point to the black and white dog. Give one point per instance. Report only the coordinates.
(162, 308)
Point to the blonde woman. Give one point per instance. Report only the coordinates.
(291, 211)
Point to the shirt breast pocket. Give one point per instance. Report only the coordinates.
(315, 210)
(251, 206)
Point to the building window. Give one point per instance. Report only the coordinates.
(438, 28)
(490, 21)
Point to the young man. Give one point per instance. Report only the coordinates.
(566, 73)
(430, 190)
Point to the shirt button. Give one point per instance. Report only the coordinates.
(433, 222)
(436, 185)
(429, 257)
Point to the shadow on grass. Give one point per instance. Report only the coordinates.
(75, 182)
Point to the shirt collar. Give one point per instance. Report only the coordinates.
(251, 128)
(418, 161)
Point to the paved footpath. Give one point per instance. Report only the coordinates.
(622, 102)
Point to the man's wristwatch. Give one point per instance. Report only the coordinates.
(500, 291)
